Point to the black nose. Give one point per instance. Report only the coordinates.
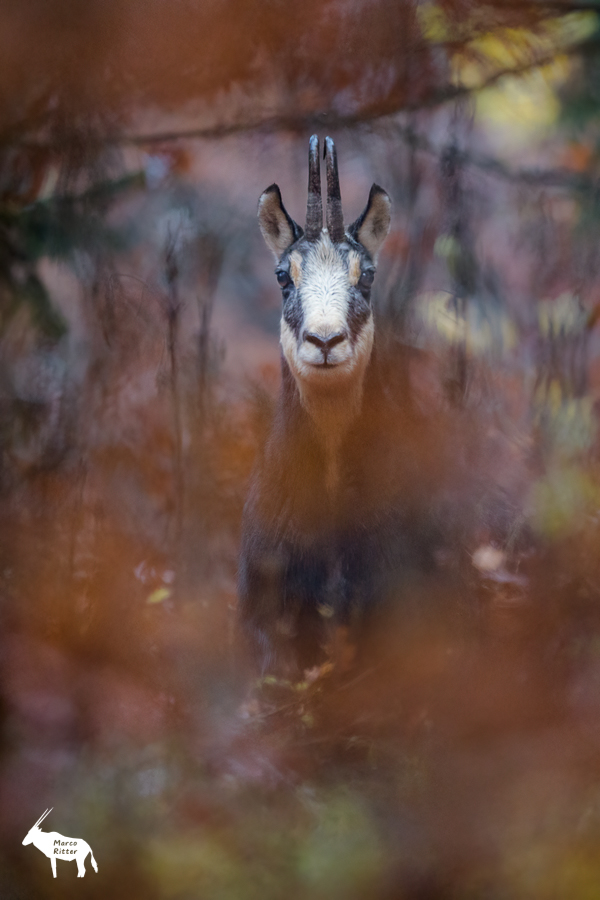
(326, 342)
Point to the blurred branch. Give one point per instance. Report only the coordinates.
(560, 178)
(172, 307)
(387, 107)
(556, 6)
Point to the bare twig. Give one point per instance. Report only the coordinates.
(173, 309)
(390, 106)
(560, 178)
(383, 109)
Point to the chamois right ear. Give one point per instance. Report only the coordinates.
(278, 228)
(372, 226)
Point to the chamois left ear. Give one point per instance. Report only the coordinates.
(372, 226)
(278, 228)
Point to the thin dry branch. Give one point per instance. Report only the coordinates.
(559, 178)
(387, 107)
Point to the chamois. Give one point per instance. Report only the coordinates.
(332, 525)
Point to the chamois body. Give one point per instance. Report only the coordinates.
(320, 551)
(332, 526)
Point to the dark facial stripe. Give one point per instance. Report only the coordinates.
(359, 310)
(292, 311)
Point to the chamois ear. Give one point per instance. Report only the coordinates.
(372, 226)
(278, 228)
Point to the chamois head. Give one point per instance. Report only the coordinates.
(325, 275)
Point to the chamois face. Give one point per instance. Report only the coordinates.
(327, 320)
(325, 277)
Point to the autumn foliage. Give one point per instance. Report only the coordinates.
(455, 755)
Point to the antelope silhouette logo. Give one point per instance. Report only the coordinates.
(57, 846)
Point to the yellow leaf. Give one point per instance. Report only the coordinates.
(159, 595)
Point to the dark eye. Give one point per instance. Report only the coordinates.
(283, 279)
(366, 279)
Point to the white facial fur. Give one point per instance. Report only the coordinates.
(323, 283)
(308, 374)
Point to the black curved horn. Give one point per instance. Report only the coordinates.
(314, 208)
(335, 218)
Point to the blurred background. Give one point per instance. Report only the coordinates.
(139, 360)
